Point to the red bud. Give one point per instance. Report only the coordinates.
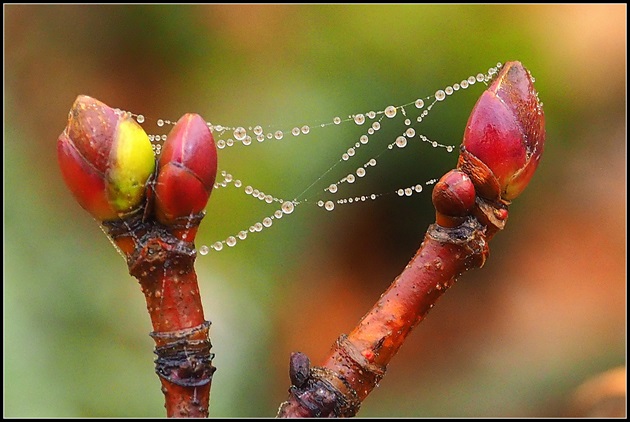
(453, 197)
(505, 132)
(187, 170)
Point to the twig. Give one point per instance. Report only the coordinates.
(502, 146)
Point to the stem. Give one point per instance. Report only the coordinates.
(164, 266)
(358, 361)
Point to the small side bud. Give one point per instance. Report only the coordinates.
(453, 198)
(299, 368)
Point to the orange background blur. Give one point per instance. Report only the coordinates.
(515, 338)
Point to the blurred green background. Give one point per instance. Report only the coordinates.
(515, 338)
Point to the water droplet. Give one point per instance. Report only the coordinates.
(418, 188)
(217, 246)
(247, 140)
(269, 135)
(373, 196)
(471, 80)
(455, 87)
(350, 152)
(203, 250)
(258, 130)
(390, 111)
(295, 131)
(364, 139)
(220, 144)
(278, 135)
(260, 138)
(434, 144)
(464, 84)
(480, 77)
(449, 148)
(359, 119)
(360, 172)
(267, 222)
(419, 103)
(320, 203)
(370, 131)
(337, 120)
(332, 188)
(240, 133)
(407, 122)
(440, 95)
(401, 142)
(408, 191)
(242, 235)
(229, 142)
(329, 205)
(268, 199)
(230, 241)
(249, 190)
(305, 129)
(372, 162)
(400, 192)
(140, 118)
(238, 183)
(410, 132)
(345, 157)
(376, 125)
(160, 122)
(288, 207)
(448, 90)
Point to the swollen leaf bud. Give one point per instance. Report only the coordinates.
(106, 159)
(187, 170)
(505, 135)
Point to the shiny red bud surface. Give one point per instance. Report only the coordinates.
(506, 129)
(187, 170)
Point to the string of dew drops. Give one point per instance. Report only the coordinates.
(414, 112)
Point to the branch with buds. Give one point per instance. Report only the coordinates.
(151, 210)
(502, 146)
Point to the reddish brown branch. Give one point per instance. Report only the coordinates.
(164, 267)
(358, 361)
(502, 146)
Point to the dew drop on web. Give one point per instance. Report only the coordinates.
(240, 133)
(203, 250)
(288, 207)
(390, 111)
